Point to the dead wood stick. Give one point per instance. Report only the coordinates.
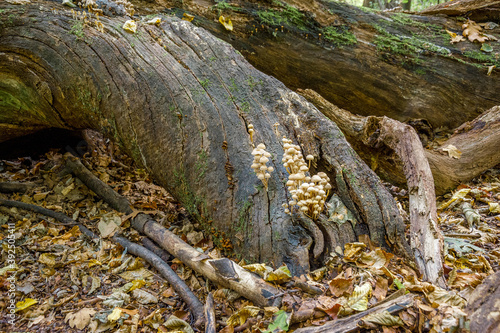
(151, 246)
(177, 283)
(300, 316)
(350, 324)
(376, 132)
(66, 220)
(210, 323)
(8, 187)
(223, 272)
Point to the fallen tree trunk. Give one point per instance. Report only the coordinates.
(370, 63)
(180, 101)
(474, 141)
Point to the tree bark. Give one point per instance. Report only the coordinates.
(179, 101)
(474, 140)
(370, 63)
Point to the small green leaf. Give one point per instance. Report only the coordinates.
(398, 284)
(486, 48)
(280, 323)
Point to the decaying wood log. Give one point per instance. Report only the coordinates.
(370, 63)
(474, 140)
(483, 306)
(350, 323)
(223, 272)
(179, 101)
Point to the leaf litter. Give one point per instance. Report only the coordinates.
(67, 282)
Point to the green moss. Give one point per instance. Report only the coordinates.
(409, 49)
(77, 30)
(205, 83)
(252, 83)
(195, 205)
(223, 6)
(485, 59)
(339, 36)
(242, 224)
(287, 16)
(201, 165)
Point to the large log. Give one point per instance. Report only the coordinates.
(370, 63)
(179, 101)
(474, 140)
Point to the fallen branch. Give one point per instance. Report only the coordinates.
(9, 187)
(175, 281)
(210, 323)
(350, 324)
(473, 140)
(376, 132)
(223, 272)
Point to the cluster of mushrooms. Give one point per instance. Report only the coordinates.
(260, 158)
(308, 193)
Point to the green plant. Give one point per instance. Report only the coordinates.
(288, 15)
(205, 83)
(77, 29)
(339, 36)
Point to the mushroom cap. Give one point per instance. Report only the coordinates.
(261, 176)
(304, 168)
(255, 166)
(261, 146)
(309, 157)
(263, 168)
(250, 126)
(267, 175)
(328, 187)
(322, 174)
(316, 179)
(290, 183)
(304, 209)
(301, 176)
(292, 202)
(270, 169)
(291, 151)
(266, 154)
(263, 159)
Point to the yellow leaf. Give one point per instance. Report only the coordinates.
(115, 315)
(130, 26)
(383, 318)
(47, 259)
(25, 304)
(458, 195)
(353, 250)
(455, 38)
(94, 262)
(226, 22)
(240, 317)
(137, 284)
(261, 269)
(359, 298)
(280, 275)
(494, 207)
(187, 17)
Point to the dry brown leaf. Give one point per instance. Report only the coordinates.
(472, 30)
(340, 286)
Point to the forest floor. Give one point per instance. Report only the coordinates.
(66, 282)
